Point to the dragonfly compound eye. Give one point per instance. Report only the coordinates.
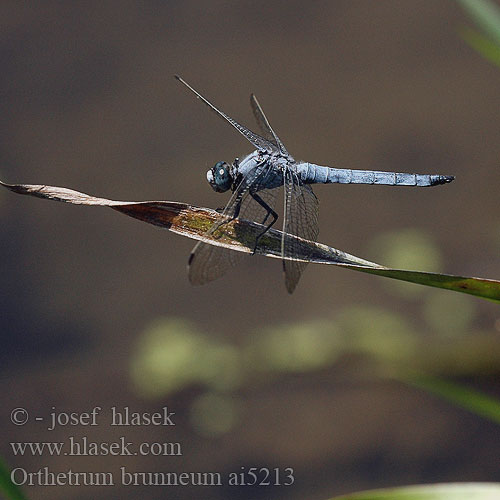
(219, 177)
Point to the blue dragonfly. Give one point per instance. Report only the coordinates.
(254, 183)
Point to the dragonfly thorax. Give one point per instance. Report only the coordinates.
(220, 177)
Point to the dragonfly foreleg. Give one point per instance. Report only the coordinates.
(236, 212)
(270, 212)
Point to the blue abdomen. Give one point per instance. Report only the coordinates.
(316, 174)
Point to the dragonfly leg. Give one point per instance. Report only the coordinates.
(237, 208)
(270, 212)
(236, 212)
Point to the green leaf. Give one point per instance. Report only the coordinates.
(476, 402)
(488, 49)
(480, 287)
(450, 491)
(486, 14)
(9, 489)
(240, 235)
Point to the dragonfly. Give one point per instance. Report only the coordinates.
(254, 183)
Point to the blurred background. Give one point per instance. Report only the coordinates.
(96, 308)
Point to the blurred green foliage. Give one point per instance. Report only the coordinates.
(299, 347)
(453, 491)
(173, 354)
(408, 248)
(213, 414)
(448, 314)
(7, 487)
(486, 15)
(470, 399)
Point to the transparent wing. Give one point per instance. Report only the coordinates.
(256, 140)
(265, 126)
(301, 208)
(208, 262)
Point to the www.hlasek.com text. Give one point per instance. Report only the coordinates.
(83, 447)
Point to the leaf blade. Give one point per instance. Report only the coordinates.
(487, 48)
(486, 15)
(443, 491)
(10, 490)
(470, 399)
(239, 235)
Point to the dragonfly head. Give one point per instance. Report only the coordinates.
(219, 177)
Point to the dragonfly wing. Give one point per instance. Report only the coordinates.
(301, 210)
(209, 262)
(265, 126)
(255, 139)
